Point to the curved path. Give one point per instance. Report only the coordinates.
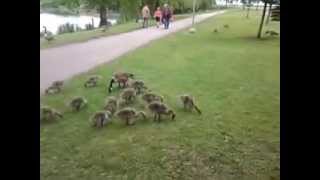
(61, 63)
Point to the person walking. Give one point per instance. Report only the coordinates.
(166, 16)
(157, 15)
(145, 15)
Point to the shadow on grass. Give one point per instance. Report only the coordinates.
(254, 38)
(48, 122)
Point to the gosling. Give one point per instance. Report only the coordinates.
(158, 109)
(78, 103)
(128, 114)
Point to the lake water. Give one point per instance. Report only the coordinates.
(53, 21)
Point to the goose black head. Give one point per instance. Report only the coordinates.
(110, 85)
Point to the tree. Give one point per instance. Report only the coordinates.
(275, 13)
(249, 4)
(244, 2)
(262, 18)
(129, 9)
(248, 10)
(194, 11)
(266, 2)
(101, 5)
(257, 1)
(270, 9)
(269, 12)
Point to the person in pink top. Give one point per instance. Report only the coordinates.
(157, 15)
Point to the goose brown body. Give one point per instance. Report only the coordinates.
(127, 114)
(158, 109)
(78, 103)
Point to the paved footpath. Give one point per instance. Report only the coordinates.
(62, 63)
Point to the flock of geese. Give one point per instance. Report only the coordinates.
(121, 106)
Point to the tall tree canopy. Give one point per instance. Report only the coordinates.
(101, 5)
(131, 8)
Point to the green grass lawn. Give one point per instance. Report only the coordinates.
(236, 81)
(82, 36)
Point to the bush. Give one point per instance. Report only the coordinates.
(89, 26)
(78, 28)
(66, 28)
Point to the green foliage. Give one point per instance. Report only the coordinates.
(185, 6)
(50, 3)
(129, 9)
(58, 7)
(89, 26)
(66, 28)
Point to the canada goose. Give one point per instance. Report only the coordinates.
(111, 105)
(138, 85)
(92, 81)
(78, 103)
(55, 87)
(100, 119)
(49, 114)
(129, 95)
(121, 78)
(48, 35)
(159, 108)
(188, 103)
(150, 97)
(272, 33)
(128, 113)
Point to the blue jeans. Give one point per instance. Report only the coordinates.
(166, 23)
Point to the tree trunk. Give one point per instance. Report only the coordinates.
(257, 5)
(269, 13)
(194, 11)
(103, 16)
(262, 20)
(248, 10)
(226, 3)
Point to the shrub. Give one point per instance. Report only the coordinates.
(89, 26)
(66, 28)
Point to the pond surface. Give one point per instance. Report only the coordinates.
(53, 21)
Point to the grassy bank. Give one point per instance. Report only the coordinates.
(236, 81)
(82, 36)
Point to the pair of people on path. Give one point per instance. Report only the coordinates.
(162, 16)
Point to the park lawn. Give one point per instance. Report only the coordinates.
(236, 81)
(82, 36)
